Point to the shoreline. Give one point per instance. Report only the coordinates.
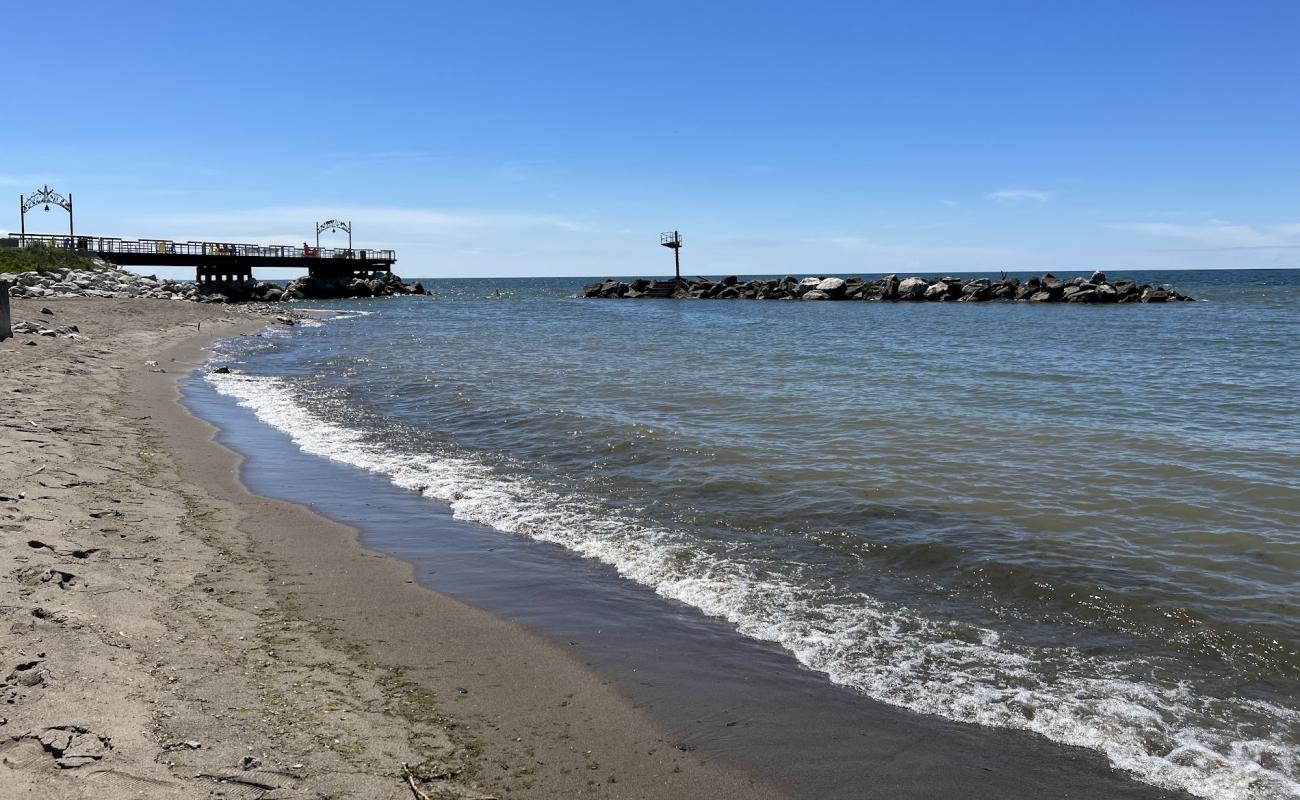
(554, 724)
(527, 718)
(261, 647)
(744, 701)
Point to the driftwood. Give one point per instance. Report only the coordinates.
(415, 787)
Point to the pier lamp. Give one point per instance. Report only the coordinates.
(44, 196)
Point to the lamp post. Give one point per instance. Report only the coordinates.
(45, 195)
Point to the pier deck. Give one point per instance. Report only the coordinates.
(219, 261)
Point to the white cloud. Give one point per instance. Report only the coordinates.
(374, 223)
(1017, 195)
(1217, 234)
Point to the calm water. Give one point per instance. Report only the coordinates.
(1081, 521)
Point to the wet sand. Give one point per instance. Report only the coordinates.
(203, 624)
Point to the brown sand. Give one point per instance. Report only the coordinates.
(166, 633)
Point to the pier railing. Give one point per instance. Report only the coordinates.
(113, 244)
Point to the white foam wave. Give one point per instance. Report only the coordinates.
(889, 653)
(334, 314)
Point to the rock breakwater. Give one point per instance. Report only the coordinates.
(1046, 289)
(106, 280)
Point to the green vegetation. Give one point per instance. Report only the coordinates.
(40, 258)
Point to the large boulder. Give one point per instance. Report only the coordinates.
(912, 289)
(871, 290)
(807, 285)
(832, 287)
(936, 291)
(816, 295)
(978, 289)
(1052, 283)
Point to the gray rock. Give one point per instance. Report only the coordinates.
(936, 291)
(912, 289)
(816, 295)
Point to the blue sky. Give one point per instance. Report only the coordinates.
(528, 138)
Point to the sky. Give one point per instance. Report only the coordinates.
(500, 139)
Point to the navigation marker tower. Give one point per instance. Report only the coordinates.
(673, 239)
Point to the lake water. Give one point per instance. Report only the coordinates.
(1082, 521)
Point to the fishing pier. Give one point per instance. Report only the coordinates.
(219, 261)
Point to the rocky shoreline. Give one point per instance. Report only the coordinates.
(105, 280)
(1047, 289)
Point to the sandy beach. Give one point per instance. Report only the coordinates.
(168, 634)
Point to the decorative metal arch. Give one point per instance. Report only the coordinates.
(333, 225)
(45, 196)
